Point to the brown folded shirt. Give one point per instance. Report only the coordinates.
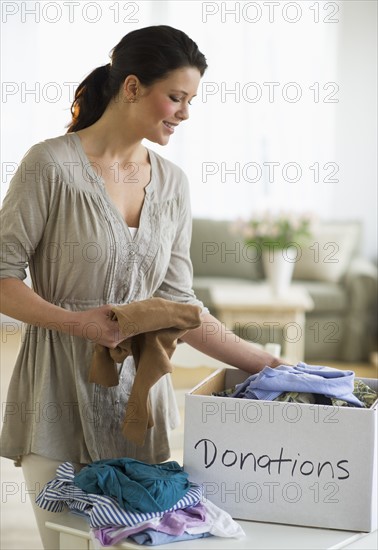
(151, 329)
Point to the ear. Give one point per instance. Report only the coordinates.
(131, 87)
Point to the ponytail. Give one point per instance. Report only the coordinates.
(149, 53)
(90, 99)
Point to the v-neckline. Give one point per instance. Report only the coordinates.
(147, 189)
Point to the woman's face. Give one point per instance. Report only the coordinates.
(162, 106)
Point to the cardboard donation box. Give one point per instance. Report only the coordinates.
(300, 464)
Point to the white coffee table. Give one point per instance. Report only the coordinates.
(252, 307)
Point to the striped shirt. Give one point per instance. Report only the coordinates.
(100, 510)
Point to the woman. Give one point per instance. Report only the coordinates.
(101, 220)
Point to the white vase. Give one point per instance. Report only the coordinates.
(279, 266)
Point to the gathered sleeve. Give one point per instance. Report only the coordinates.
(25, 210)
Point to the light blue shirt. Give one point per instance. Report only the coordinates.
(270, 383)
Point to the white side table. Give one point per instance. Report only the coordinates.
(252, 307)
(74, 535)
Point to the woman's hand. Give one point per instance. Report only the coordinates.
(97, 326)
(21, 302)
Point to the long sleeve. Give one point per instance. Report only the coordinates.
(25, 211)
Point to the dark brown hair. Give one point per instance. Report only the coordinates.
(149, 53)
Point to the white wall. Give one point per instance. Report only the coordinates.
(355, 196)
(238, 52)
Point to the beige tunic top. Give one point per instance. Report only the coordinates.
(58, 218)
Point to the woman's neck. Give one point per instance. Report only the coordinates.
(107, 139)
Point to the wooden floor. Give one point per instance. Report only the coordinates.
(18, 530)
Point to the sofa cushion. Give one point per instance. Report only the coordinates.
(327, 297)
(324, 337)
(330, 252)
(216, 251)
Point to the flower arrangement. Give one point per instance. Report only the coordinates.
(276, 230)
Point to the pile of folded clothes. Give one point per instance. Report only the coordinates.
(150, 504)
(304, 383)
